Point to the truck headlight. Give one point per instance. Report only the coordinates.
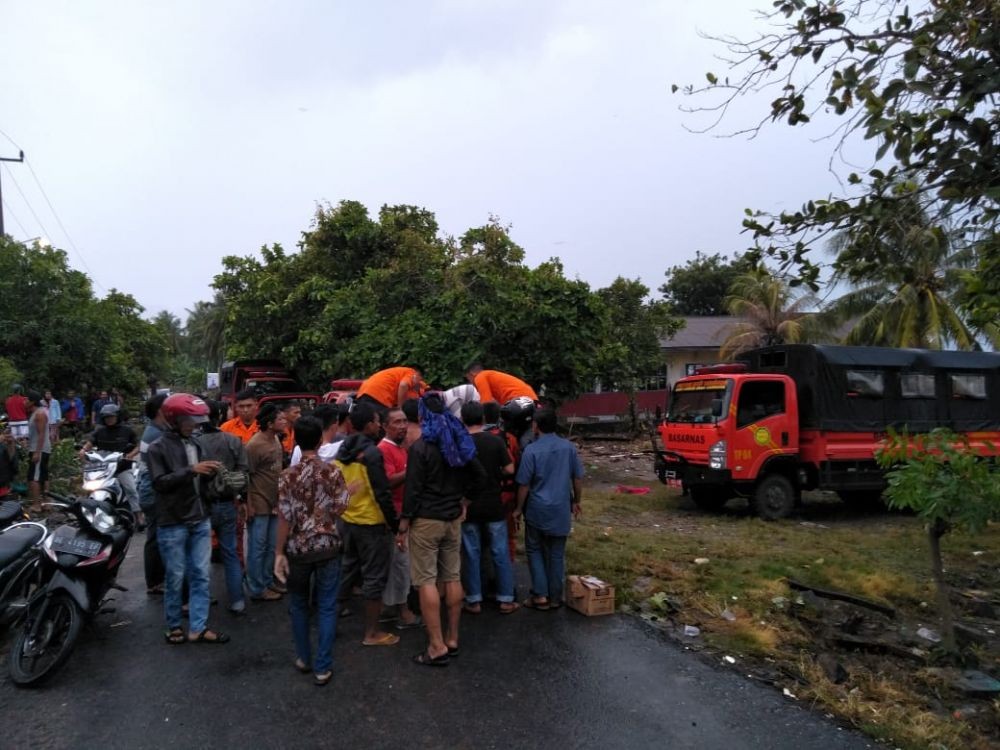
(717, 455)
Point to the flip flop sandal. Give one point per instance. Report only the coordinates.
(431, 661)
(417, 623)
(218, 637)
(302, 666)
(509, 608)
(453, 651)
(323, 679)
(389, 639)
(532, 604)
(175, 636)
(473, 609)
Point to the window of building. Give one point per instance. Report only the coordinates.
(759, 399)
(968, 386)
(870, 383)
(656, 381)
(916, 385)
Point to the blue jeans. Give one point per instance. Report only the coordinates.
(186, 549)
(262, 535)
(546, 562)
(224, 525)
(326, 578)
(472, 556)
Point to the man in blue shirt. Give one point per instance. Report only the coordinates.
(549, 490)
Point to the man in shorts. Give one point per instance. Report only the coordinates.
(433, 508)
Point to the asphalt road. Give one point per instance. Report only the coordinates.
(531, 679)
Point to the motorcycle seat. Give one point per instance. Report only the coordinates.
(16, 541)
(10, 510)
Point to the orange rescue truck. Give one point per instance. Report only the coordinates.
(789, 418)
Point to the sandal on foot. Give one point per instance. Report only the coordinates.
(507, 608)
(473, 609)
(322, 679)
(175, 636)
(417, 622)
(427, 660)
(452, 651)
(302, 666)
(535, 604)
(210, 636)
(387, 639)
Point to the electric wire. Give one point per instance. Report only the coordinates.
(7, 212)
(27, 202)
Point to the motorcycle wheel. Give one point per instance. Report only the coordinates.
(33, 659)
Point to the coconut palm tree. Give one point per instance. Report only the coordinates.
(768, 313)
(907, 283)
(206, 331)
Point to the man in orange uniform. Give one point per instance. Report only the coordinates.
(243, 426)
(494, 385)
(388, 389)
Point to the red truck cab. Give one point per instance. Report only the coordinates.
(269, 379)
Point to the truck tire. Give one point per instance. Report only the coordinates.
(774, 498)
(708, 499)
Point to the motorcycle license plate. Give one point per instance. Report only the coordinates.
(77, 546)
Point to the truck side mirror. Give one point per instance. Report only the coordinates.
(716, 407)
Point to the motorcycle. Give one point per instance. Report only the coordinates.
(19, 543)
(100, 476)
(78, 565)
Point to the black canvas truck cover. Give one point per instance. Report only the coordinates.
(868, 388)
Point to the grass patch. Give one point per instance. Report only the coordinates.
(648, 544)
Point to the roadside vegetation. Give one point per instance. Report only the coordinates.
(728, 575)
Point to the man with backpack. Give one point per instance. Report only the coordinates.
(222, 492)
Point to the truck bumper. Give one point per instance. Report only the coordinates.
(674, 469)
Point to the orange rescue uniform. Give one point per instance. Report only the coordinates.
(236, 427)
(494, 385)
(383, 386)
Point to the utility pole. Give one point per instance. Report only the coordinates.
(6, 158)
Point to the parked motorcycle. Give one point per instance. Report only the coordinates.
(100, 472)
(78, 565)
(11, 512)
(19, 578)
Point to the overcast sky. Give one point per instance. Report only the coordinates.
(170, 134)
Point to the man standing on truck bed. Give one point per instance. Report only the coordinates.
(388, 389)
(494, 385)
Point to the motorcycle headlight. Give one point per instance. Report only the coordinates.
(717, 455)
(101, 521)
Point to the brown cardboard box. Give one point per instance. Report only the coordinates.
(590, 596)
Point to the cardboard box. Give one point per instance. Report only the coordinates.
(590, 596)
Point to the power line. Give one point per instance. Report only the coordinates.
(26, 201)
(6, 207)
(60, 223)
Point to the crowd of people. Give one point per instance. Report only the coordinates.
(409, 496)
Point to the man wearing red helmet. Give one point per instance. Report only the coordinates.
(183, 529)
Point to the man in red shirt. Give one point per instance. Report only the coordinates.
(397, 588)
(389, 388)
(494, 385)
(16, 407)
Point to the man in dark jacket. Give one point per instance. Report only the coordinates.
(113, 436)
(229, 452)
(441, 473)
(176, 465)
(370, 518)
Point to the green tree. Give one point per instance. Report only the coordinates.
(700, 286)
(631, 344)
(919, 84)
(769, 313)
(942, 478)
(205, 331)
(907, 279)
(171, 331)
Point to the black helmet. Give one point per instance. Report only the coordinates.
(516, 414)
(108, 410)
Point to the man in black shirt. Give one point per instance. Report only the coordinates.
(113, 436)
(486, 515)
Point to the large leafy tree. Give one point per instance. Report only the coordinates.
(907, 282)
(205, 331)
(700, 286)
(769, 312)
(917, 80)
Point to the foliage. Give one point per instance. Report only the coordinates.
(700, 286)
(908, 279)
(363, 294)
(947, 482)
(205, 332)
(60, 336)
(8, 376)
(769, 313)
(920, 85)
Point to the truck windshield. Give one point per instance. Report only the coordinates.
(699, 400)
(270, 387)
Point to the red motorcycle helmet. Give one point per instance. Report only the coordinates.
(184, 405)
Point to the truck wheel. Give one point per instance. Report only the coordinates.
(774, 498)
(708, 498)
